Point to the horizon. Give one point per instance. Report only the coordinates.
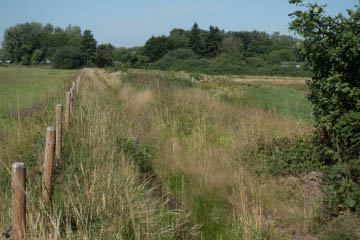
(132, 24)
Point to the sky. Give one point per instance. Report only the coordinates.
(130, 23)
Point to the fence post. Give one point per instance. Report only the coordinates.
(18, 210)
(67, 111)
(58, 131)
(48, 165)
(71, 99)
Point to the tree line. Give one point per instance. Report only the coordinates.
(33, 43)
(212, 50)
(218, 51)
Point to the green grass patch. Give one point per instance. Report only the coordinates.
(24, 89)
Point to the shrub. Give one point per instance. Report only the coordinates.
(37, 57)
(332, 45)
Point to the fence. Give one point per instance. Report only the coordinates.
(53, 148)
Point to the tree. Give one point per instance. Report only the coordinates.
(88, 47)
(331, 46)
(212, 42)
(68, 57)
(232, 46)
(104, 55)
(157, 47)
(179, 38)
(21, 40)
(37, 57)
(195, 40)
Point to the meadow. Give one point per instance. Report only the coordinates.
(25, 89)
(161, 155)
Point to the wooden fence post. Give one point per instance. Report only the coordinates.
(58, 131)
(18, 210)
(48, 165)
(67, 111)
(71, 99)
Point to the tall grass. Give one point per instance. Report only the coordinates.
(98, 193)
(197, 138)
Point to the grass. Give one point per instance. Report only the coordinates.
(26, 89)
(97, 192)
(198, 136)
(156, 155)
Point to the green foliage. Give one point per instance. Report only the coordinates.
(340, 190)
(332, 45)
(21, 41)
(140, 154)
(104, 55)
(88, 47)
(68, 57)
(157, 47)
(26, 59)
(180, 60)
(195, 43)
(213, 42)
(288, 157)
(219, 52)
(37, 57)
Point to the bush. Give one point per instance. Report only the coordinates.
(332, 45)
(68, 57)
(37, 57)
(182, 60)
(26, 59)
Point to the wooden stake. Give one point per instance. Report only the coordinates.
(58, 131)
(72, 94)
(18, 211)
(68, 109)
(48, 164)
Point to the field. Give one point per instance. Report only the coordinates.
(161, 155)
(25, 90)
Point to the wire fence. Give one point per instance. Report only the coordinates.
(53, 149)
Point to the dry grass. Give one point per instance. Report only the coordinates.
(97, 191)
(201, 137)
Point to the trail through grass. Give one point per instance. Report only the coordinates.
(198, 136)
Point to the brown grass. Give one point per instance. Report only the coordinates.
(208, 154)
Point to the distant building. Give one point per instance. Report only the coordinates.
(290, 64)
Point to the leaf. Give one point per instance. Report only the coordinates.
(350, 202)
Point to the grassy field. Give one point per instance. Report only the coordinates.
(157, 155)
(25, 89)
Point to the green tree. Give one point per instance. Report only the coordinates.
(104, 55)
(68, 57)
(88, 47)
(195, 40)
(37, 57)
(157, 47)
(213, 42)
(331, 46)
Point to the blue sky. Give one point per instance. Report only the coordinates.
(131, 23)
